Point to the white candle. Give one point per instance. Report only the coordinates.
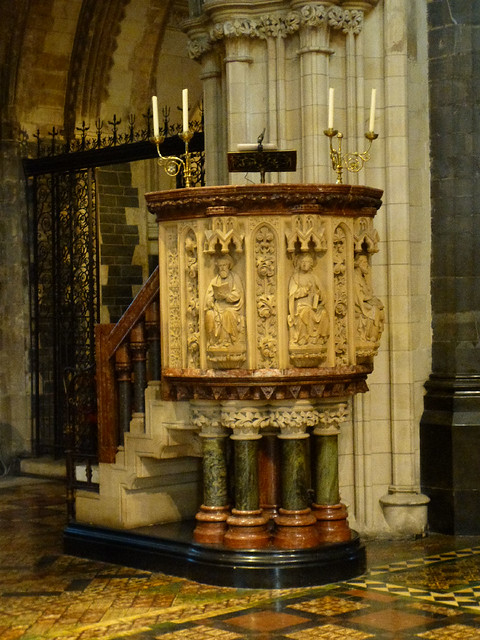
(156, 127)
(331, 92)
(185, 109)
(372, 109)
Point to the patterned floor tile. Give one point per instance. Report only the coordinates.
(261, 621)
(452, 632)
(427, 588)
(391, 620)
(200, 633)
(329, 606)
(329, 632)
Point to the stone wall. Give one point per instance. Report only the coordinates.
(15, 429)
(119, 239)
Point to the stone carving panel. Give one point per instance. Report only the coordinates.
(308, 320)
(369, 311)
(174, 311)
(192, 303)
(224, 310)
(265, 285)
(340, 295)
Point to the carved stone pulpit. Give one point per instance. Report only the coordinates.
(268, 326)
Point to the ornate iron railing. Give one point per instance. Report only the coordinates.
(103, 135)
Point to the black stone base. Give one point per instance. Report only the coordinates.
(449, 454)
(169, 549)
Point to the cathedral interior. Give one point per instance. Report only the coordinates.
(240, 373)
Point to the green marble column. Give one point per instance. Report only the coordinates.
(246, 475)
(295, 527)
(326, 469)
(331, 514)
(213, 513)
(295, 477)
(247, 525)
(215, 490)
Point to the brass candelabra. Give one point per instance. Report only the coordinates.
(173, 164)
(351, 161)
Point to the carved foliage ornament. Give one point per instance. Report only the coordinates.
(312, 15)
(331, 418)
(192, 303)
(265, 285)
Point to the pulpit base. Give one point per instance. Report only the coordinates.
(170, 549)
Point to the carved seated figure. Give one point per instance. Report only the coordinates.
(369, 311)
(225, 315)
(307, 317)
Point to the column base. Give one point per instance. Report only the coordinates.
(406, 513)
(295, 529)
(332, 523)
(211, 524)
(247, 530)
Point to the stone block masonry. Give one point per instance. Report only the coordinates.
(118, 239)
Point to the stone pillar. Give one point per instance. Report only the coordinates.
(15, 394)
(212, 516)
(331, 514)
(247, 526)
(450, 426)
(403, 506)
(314, 53)
(237, 62)
(295, 524)
(215, 126)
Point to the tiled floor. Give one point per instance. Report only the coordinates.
(427, 588)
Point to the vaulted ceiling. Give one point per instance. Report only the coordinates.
(64, 61)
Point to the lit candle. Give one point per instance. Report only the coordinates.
(331, 92)
(156, 127)
(372, 109)
(185, 109)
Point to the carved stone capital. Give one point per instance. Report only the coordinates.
(293, 419)
(245, 420)
(331, 415)
(277, 24)
(206, 417)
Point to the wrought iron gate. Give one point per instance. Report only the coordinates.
(64, 295)
(64, 269)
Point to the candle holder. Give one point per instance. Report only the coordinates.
(173, 164)
(353, 161)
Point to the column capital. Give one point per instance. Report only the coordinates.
(245, 419)
(331, 417)
(226, 21)
(206, 417)
(293, 419)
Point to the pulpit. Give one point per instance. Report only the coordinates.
(269, 325)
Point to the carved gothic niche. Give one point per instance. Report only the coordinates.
(224, 235)
(369, 310)
(307, 315)
(224, 300)
(366, 236)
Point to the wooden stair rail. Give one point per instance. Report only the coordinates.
(109, 338)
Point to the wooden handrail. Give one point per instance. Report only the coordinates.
(108, 338)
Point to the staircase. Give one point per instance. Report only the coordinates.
(149, 466)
